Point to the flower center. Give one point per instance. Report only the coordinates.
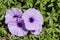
(31, 19)
(19, 24)
(15, 16)
(32, 30)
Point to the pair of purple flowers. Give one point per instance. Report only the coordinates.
(19, 24)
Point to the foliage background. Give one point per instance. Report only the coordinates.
(50, 9)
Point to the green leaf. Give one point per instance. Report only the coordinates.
(53, 0)
(2, 17)
(58, 4)
(57, 30)
(50, 22)
(31, 5)
(3, 32)
(51, 5)
(38, 2)
(41, 6)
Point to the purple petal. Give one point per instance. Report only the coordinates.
(15, 30)
(14, 12)
(37, 32)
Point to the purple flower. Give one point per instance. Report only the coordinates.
(33, 20)
(14, 21)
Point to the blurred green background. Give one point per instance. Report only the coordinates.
(50, 9)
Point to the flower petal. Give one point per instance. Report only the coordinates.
(11, 13)
(15, 30)
(37, 32)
